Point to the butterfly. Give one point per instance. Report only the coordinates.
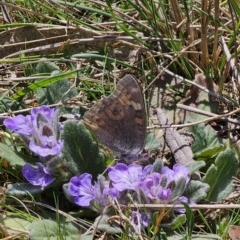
(234, 232)
(119, 120)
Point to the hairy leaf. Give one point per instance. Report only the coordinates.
(152, 142)
(102, 223)
(14, 224)
(48, 229)
(80, 151)
(196, 191)
(206, 144)
(14, 159)
(69, 197)
(219, 175)
(195, 166)
(61, 90)
(179, 187)
(42, 83)
(46, 66)
(23, 189)
(157, 165)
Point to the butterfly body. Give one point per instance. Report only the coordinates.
(119, 121)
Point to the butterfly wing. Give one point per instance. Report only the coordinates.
(119, 121)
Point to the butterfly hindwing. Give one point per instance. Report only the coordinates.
(119, 121)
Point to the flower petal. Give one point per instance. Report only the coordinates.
(125, 177)
(37, 176)
(81, 188)
(19, 124)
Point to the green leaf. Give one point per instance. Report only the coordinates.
(190, 219)
(179, 187)
(196, 190)
(157, 165)
(102, 223)
(69, 197)
(46, 66)
(87, 237)
(7, 104)
(219, 175)
(206, 144)
(23, 189)
(61, 90)
(196, 165)
(15, 224)
(43, 83)
(152, 142)
(80, 151)
(209, 152)
(51, 230)
(13, 158)
(176, 223)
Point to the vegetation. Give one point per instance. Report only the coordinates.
(68, 55)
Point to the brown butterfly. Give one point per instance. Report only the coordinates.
(234, 232)
(119, 120)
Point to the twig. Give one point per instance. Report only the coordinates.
(5, 13)
(27, 109)
(194, 206)
(196, 110)
(223, 99)
(127, 38)
(202, 121)
(179, 148)
(230, 59)
(209, 114)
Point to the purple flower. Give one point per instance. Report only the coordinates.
(81, 188)
(40, 131)
(87, 195)
(152, 189)
(47, 112)
(178, 171)
(19, 124)
(46, 128)
(47, 146)
(145, 187)
(125, 177)
(37, 176)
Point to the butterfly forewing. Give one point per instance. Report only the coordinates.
(119, 121)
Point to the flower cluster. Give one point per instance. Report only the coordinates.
(40, 132)
(144, 185)
(84, 192)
